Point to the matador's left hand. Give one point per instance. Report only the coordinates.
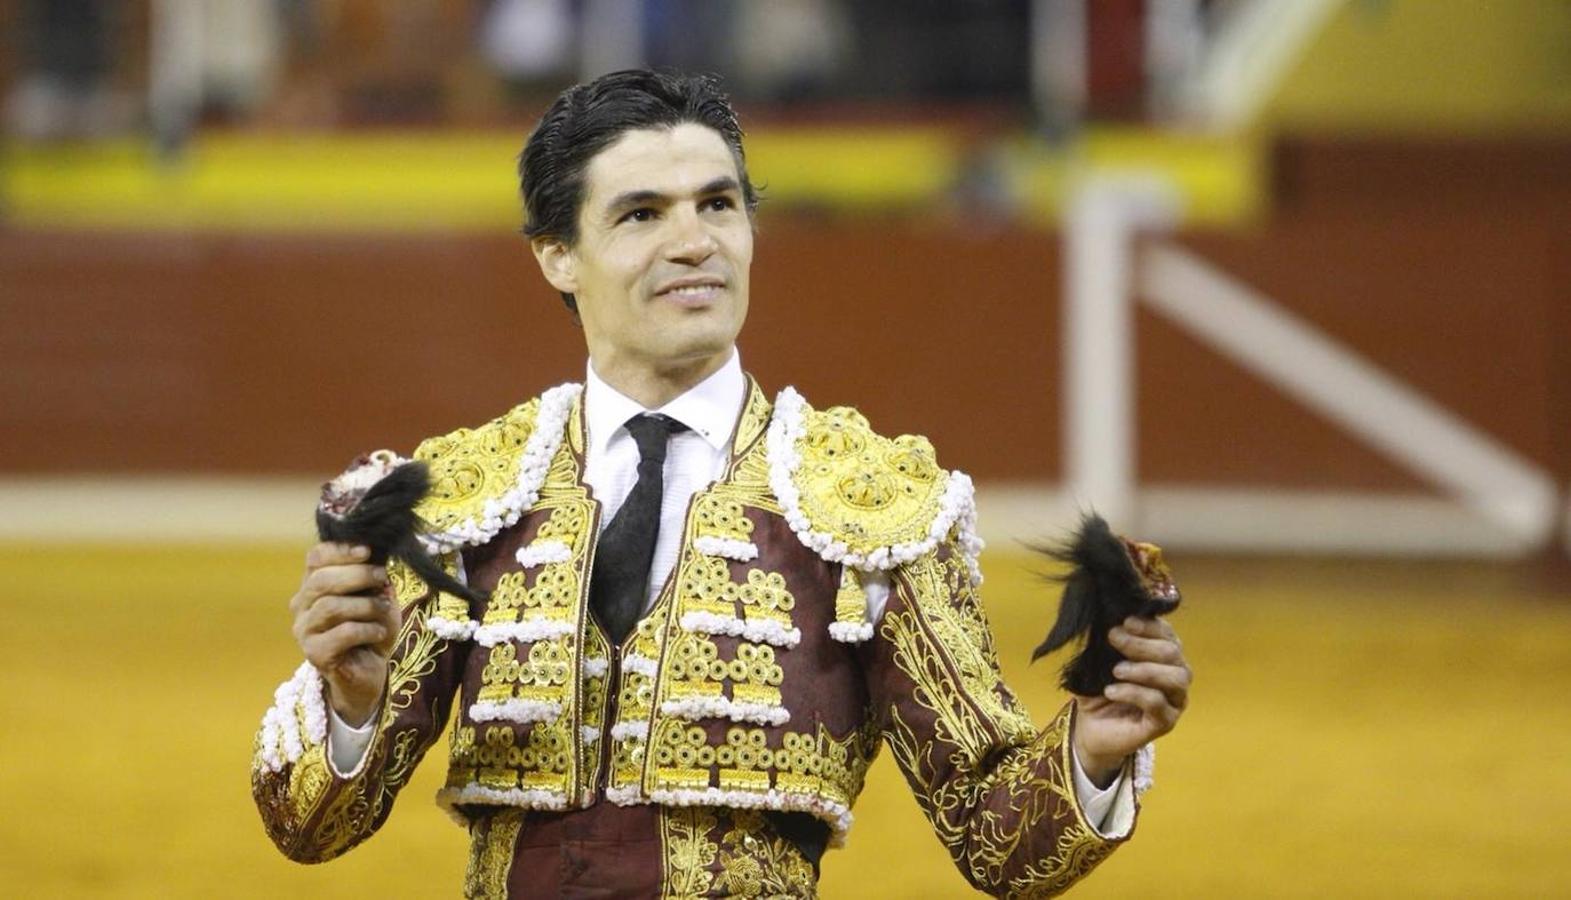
(1144, 703)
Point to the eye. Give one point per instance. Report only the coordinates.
(719, 204)
(641, 214)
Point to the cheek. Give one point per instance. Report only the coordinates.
(627, 261)
(739, 248)
(617, 262)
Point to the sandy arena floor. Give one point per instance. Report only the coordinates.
(1357, 730)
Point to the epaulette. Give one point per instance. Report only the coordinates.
(868, 502)
(483, 479)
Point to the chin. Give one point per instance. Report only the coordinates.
(697, 349)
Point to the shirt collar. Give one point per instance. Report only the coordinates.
(710, 408)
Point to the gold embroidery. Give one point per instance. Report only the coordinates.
(648, 635)
(949, 606)
(359, 803)
(756, 862)
(850, 599)
(722, 517)
(553, 596)
(469, 465)
(492, 840)
(799, 762)
(1078, 849)
(308, 780)
(747, 481)
(409, 588)
(462, 756)
(681, 755)
(542, 676)
(494, 754)
(705, 585)
(755, 418)
(689, 851)
(636, 696)
(866, 490)
(594, 692)
(627, 761)
(568, 524)
(539, 761)
(940, 642)
(764, 596)
(696, 670)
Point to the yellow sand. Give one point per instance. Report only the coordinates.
(1357, 731)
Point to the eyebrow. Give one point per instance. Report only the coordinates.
(627, 199)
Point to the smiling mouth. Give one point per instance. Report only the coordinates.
(692, 294)
(691, 290)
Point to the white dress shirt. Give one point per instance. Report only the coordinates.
(695, 458)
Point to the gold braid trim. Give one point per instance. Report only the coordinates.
(688, 851)
(1000, 796)
(492, 840)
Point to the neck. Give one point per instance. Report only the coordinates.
(653, 386)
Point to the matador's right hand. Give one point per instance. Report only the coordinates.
(346, 622)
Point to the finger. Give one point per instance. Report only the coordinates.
(344, 580)
(391, 620)
(308, 596)
(1150, 701)
(332, 553)
(326, 649)
(1151, 627)
(334, 581)
(1143, 649)
(1172, 681)
(329, 612)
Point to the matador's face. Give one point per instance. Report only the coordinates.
(660, 267)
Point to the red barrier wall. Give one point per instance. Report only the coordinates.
(246, 354)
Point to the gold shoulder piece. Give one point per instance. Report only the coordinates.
(855, 496)
(483, 479)
(472, 465)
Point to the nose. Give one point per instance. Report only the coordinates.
(691, 242)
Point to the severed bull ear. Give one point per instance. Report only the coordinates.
(382, 517)
(1112, 578)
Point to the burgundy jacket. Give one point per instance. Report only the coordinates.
(750, 699)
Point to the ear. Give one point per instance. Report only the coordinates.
(557, 263)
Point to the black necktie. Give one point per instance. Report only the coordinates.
(620, 581)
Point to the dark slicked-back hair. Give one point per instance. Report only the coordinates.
(587, 118)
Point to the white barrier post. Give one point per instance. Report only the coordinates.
(1099, 399)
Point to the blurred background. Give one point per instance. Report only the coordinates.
(1284, 285)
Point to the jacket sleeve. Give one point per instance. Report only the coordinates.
(312, 813)
(999, 794)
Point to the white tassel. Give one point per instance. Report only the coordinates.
(533, 628)
(519, 709)
(634, 730)
(728, 548)
(451, 629)
(851, 632)
(694, 708)
(837, 815)
(544, 551)
(534, 798)
(296, 720)
(640, 665)
(1145, 768)
(758, 631)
